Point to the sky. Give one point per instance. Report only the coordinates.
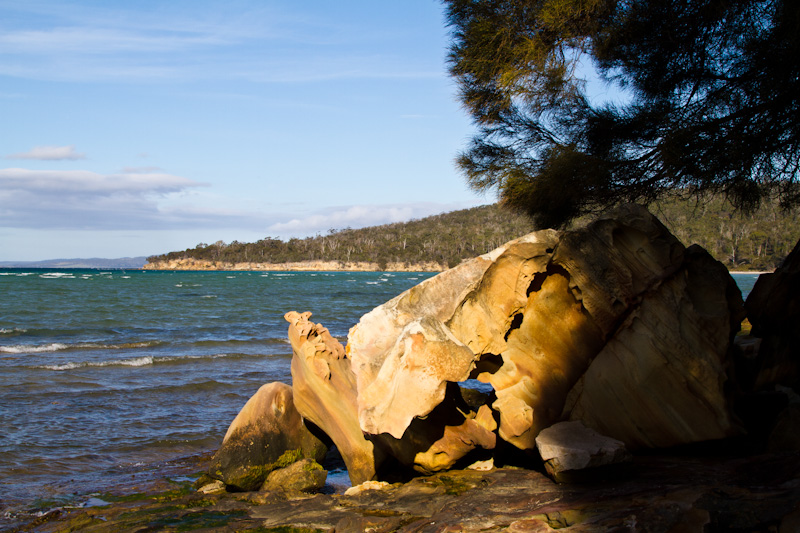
(138, 128)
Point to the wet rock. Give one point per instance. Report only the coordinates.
(567, 448)
(266, 434)
(714, 492)
(212, 487)
(325, 393)
(305, 475)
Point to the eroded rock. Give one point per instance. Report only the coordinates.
(325, 393)
(660, 380)
(550, 321)
(267, 429)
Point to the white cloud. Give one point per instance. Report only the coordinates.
(50, 153)
(84, 182)
(358, 216)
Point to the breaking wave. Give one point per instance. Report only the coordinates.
(60, 346)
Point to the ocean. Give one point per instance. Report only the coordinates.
(110, 375)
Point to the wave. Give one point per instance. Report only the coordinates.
(139, 361)
(60, 346)
(148, 361)
(10, 331)
(56, 275)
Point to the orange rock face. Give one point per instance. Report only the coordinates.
(615, 324)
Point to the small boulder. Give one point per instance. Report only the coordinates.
(267, 433)
(570, 447)
(304, 475)
(367, 485)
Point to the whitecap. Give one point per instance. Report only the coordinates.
(6, 331)
(30, 348)
(56, 275)
(59, 346)
(138, 361)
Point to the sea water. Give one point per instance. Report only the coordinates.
(106, 375)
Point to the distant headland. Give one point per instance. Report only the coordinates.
(751, 243)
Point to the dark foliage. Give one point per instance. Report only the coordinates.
(713, 105)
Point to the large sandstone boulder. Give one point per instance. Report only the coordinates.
(325, 393)
(660, 380)
(615, 324)
(267, 434)
(773, 308)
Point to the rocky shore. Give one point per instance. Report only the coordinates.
(588, 380)
(709, 490)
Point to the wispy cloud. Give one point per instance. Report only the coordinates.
(175, 44)
(49, 153)
(83, 199)
(357, 216)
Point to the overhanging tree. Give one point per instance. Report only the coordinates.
(711, 105)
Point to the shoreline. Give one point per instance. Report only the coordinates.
(300, 266)
(190, 264)
(669, 489)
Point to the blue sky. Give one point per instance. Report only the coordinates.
(137, 128)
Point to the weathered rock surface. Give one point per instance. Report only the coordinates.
(268, 427)
(325, 393)
(305, 475)
(570, 447)
(664, 370)
(686, 494)
(615, 324)
(773, 308)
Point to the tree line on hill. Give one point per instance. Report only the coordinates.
(757, 241)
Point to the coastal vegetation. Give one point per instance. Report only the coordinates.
(701, 96)
(741, 241)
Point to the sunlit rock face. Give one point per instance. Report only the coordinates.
(325, 394)
(615, 324)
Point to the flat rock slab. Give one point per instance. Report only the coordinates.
(570, 448)
(660, 494)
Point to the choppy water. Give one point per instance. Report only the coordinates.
(105, 374)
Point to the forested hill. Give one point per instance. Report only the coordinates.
(758, 242)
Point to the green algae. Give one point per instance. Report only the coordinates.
(285, 529)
